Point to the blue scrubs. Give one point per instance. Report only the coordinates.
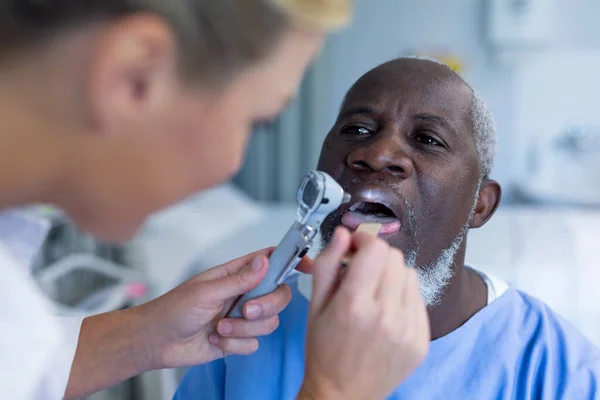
(514, 348)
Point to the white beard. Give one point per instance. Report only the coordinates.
(433, 278)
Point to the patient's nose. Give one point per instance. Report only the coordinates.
(382, 154)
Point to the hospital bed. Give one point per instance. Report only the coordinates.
(550, 253)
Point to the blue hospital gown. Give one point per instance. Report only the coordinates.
(514, 348)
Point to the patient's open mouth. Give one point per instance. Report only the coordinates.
(371, 212)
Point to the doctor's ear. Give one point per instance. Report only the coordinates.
(133, 65)
(489, 199)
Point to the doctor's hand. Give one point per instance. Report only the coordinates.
(186, 324)
(368, 327)
(178, 328)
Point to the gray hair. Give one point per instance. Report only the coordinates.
(484, 125)
(216, 37)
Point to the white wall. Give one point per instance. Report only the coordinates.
(385, 29)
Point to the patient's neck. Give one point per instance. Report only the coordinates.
(464, 297)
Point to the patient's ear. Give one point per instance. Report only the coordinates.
(489, 199)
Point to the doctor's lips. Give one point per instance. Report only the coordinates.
(365, 208)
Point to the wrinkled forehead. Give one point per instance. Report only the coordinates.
(413, 89)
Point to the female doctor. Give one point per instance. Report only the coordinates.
(113, 109)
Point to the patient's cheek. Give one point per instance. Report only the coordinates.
(334, 168)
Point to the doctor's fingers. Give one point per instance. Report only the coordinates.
(326, 269)
(269, 305)
(412, 300)
(417, 332)
(366, 270)
(241, 328)
(412, 314)
(234, 285)
(234, 345)
(392, 284)
(231, 267)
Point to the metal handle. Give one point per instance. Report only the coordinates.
(288, 253)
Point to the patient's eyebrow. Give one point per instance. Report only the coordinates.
(436, 120)
(356, 110)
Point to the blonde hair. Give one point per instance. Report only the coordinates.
(326, 15)
(216, 38)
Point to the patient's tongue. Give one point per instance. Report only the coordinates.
(352, 220)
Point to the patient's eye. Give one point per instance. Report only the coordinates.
(428, 139)
(356, 130)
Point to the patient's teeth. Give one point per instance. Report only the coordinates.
(354, 207)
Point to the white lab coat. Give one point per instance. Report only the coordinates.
(36, 348)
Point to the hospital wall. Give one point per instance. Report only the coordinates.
(384, 29)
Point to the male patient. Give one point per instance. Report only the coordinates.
(414, 145)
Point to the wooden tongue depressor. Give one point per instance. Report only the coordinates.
(371, 228)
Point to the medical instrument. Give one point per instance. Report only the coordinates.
(371, 228)
(318, 196)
